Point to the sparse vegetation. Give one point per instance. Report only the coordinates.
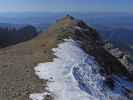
(18, 79)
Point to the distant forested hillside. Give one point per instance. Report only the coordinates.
(10, 36)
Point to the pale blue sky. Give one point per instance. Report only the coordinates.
(66, 5)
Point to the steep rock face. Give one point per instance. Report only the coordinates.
(125, 57)
(91, 43)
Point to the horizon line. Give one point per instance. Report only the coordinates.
(65, 12)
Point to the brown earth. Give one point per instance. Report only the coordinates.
(17, 78)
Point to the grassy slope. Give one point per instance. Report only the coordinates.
(17, 76)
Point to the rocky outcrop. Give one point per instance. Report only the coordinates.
(122, 56)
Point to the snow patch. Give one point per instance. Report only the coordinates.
(38, 96)
(73, 75)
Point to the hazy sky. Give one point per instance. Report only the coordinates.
(66, 5)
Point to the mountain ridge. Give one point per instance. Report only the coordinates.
(22, 58)
(89, 37)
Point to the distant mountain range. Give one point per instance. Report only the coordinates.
(10, 25)
(120, 37)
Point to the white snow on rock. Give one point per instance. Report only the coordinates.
(73, 75)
